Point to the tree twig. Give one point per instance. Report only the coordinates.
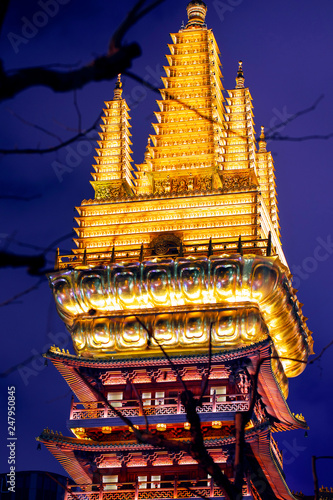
(24, 292)
(51, 149)
(173, 366)
(117, 59)
(206, 377)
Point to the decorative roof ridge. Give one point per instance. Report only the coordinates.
(48, 436)
(54, 353)
(143, 197)
(299, 423)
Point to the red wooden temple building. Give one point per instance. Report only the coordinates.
(182, 251)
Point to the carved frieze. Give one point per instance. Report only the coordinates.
(110, 191)
(106, 192)
(238, 182)
(183, 184)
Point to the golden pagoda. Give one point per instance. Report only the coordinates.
(185, 245)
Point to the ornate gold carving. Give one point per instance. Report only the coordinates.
(182, 184)
(191, 285)
(163, 243)
(231, 327)
(238, 182)
(107, 192)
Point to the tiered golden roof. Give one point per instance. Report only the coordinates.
(167, 237)
(113, 164)
(201, 177)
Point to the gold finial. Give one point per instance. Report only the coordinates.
(147, 153)
(262, 142)
(118, 89)
(240, 76)
(196, 12)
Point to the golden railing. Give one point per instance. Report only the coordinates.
(253, 246)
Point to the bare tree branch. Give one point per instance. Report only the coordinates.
(173, 366)
(321, 353)
(206, 377)
(115, 61)
(25, 292)
(34, 125)
(79, 117)
(51, 149)
(139, 398)
(34, 263)
(133, 16)
(296, 115)
(278, 137)
(269, 135)
(102, 68)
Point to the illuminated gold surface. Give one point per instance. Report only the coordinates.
(106, 429)
(246, 297)
(202, 155)
(203, 178)
(216, 424)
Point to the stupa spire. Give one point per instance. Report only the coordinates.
(118, 91)
(240, 76)
(196, 12)
(113, 168)
(262, 143)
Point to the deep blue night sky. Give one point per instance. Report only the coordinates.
(285, 47)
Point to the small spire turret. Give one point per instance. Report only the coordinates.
(262, 143)
(240, 76)
(147, 152)
(118, 89)
(196, 11)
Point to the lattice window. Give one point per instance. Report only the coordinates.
(110, 482)
(146, 398)
(155, 482)
(219, 392)
(142, 481)
(116, 399)
(159, 397)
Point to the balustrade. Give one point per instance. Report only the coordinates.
(169, 406)
(203, 488)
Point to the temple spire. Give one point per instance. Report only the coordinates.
(240, 76)
(118, 89)
(196, 12)
(147, 152)
(113, 169)
(262, 143)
